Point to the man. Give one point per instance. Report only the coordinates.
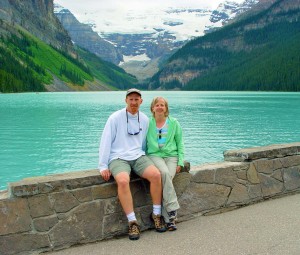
(122, 148)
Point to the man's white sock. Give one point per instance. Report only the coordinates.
(156, 209)
(131, 216)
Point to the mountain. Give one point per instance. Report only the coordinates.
(84, 36)
(37, 18)
(144, 38)
(260, 51)
(37, 54)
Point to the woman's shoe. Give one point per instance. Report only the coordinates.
(171, 226)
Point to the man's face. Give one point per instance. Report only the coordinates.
(133, 102)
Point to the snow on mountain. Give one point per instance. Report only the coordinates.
(147, 30)
(181, 19)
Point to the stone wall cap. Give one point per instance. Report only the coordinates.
(3, 194)
(269, 151)
(56, 182)
(213, 166)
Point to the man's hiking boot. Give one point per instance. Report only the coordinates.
(134, 230)
(159, 222)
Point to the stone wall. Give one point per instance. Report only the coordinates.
(54, 212)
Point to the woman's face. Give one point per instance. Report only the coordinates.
(159, 109)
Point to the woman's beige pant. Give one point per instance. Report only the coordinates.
(167, 167)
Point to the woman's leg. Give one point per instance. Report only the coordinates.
(170, 202)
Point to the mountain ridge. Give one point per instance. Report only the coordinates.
(250, 54)
(37, 54)
(142, 53)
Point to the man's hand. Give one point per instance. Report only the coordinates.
(178, 169)
(105, 174)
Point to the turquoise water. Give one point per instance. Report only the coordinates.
(46, 133)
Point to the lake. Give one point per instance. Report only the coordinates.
(47, 133)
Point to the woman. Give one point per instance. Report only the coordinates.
(165, 149)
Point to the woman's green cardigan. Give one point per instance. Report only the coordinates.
(174, 142)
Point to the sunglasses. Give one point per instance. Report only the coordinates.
(159, 136)
(135, 133)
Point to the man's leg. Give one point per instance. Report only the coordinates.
(124, 193)
(121, 172)
(153, 175)
(145, 168)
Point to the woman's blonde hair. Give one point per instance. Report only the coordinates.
(154, 102)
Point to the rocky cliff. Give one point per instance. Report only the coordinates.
(37, 17)
(37, 53)
(84, 36)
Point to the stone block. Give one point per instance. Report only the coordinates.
(63, 202)
(241, 166)
(224, 173)
(14, 216)
(290, 161)
(252, 174)
(242, 175)
(51, 186)
(277, 174)
(255, 192)
(23, 243)
(203, 176)
(226, 176)
(23, 190)
(238, 195)
(115, 224)
(112, 206)
(140, 193)
(103, 191)
(90, 179)
(40, 206)
(45, 223)
(267, 166)
(243, 182)
(291, 177)
(181, 181)
(81, 225)
(83, 195)
(144, 217)
(202, 197)
(270, 186)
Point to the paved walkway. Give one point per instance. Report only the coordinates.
(270, 227)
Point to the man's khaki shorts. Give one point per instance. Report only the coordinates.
(138, 165)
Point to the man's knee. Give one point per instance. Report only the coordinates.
(122, 180)
(152, 174)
